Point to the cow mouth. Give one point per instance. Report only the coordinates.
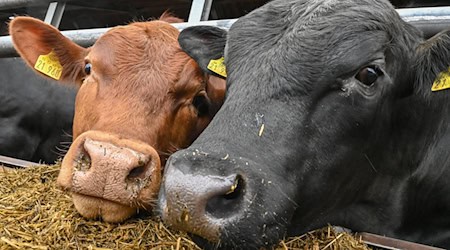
(91, 207)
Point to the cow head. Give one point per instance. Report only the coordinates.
(140, 99)
(327, 116)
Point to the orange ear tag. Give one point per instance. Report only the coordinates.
(442, 81)
(49, 65)
(217, 66)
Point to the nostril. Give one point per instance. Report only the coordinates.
(83, 161)
(139, 171)
(235, 190)
(225, 205)
(136, 172)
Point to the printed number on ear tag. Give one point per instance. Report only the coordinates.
(442, 81)
(49, 65)
(217, 66)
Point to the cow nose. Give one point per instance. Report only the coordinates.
(110, 168)
(200, 204)
(100, 159)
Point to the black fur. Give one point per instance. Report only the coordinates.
(194, 40)
(35, 115)
(332, 151)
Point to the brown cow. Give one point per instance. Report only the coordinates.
(140, 99)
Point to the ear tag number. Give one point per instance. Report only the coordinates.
(217, 66)
(442, 81)
(49, 65)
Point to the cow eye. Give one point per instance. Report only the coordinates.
(87, 68)
(201, 104)
(368, 75)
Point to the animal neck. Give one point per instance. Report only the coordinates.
(422, 131)
(410, 165)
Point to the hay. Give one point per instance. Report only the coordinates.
(35, 214)
(322, 239)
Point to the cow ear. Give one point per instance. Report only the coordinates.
(46, 50)
(205, 44)
(432, 65)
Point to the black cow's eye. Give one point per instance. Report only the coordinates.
(368, 75)
(87, 68)
(201, 104)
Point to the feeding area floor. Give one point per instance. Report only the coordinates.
(36, 214)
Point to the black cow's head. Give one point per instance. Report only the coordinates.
(328, 118)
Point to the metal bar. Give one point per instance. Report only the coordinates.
(428, 23)
(54, 13)
(200, 10)
(87, 37)
(391, 243)
(430, 28)
(424, 12)
(195, 14)
(206, 10)
(224, 24)
(13, 162)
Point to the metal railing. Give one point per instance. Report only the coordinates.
(430, 20)
(86, 37)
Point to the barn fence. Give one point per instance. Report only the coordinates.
(430, 20)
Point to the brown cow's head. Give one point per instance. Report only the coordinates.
(140, 99)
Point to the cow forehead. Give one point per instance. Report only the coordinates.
(310, 24)
(140, 43)
(135, 33)
(144, 56)
(302, 39)
(298, 22)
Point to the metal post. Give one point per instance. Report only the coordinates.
(199, 10)
(54, 13)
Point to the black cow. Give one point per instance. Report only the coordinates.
(35, 116)
(329, 118)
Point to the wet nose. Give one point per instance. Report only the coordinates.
(199, 204)
(107, 167)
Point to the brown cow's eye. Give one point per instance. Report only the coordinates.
(368, 75)
(201, 104)
(87, 68)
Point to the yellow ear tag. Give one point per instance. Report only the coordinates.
(49, 65)
(442, 81)
(217, 66)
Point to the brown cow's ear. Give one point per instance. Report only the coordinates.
(46, 50)
(215, 89)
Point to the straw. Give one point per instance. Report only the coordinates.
(36, 214)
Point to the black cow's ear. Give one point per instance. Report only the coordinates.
(205, 44)
(432, 64)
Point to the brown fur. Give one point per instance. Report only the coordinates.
(139, 92)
